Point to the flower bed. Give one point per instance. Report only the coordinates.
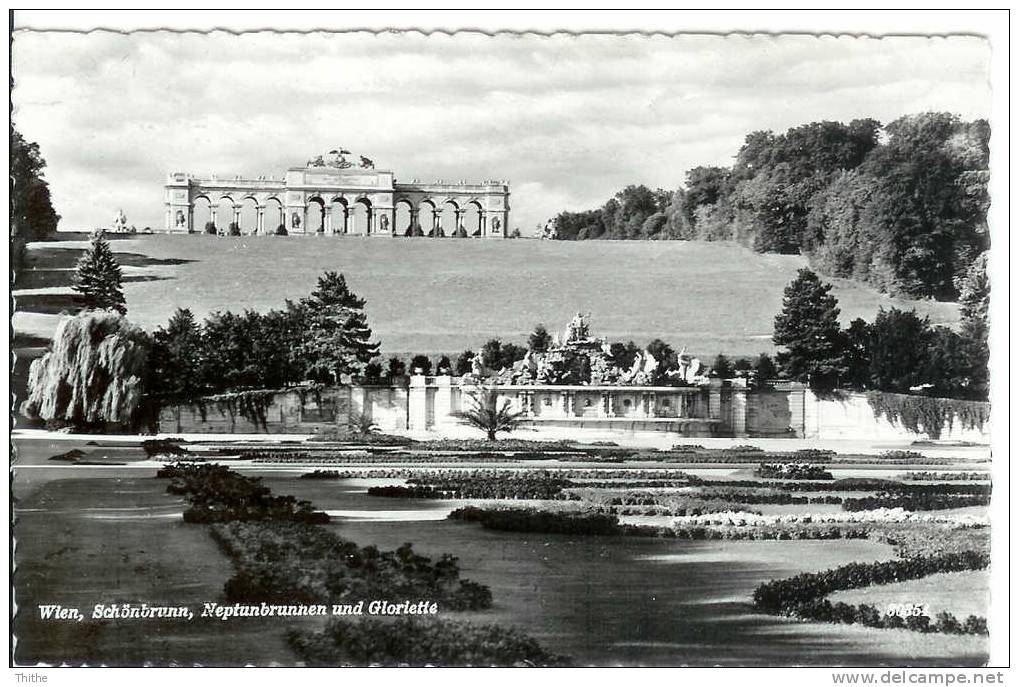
(915, 502)
(407, 641)
(298, 562)
(542, 521)
(218, 494)
(792, 471)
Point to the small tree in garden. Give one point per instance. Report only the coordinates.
(337, 338)
(723, 367)
(489, 416)
(463, 363)
(421, 362)
(234, 229)
(444, 366)
(281, 230)
(176, 360)
(539, 339)
(395, 368)
(362, 424)
(98, 279)
(372, 372)
(808, 328)
(92, 374)
(765, 368)
(210, 227)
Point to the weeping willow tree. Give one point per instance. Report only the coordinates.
(93, 373)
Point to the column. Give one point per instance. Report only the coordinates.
(436, 224)
(483, 223)
(458, 220)
(212, 218)
(259, 220)
(191, 218)
(169, 213)
(413, 221)
(417, 404)
(444, 401)
(237, 216)
(327, 220)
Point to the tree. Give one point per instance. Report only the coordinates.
(496, 355)
(92, 374)
(463, 363)
(623, 355)
(176, 357)
(539, 339)
(974, 304)
(808, 328)
(362, 424)
(32, 214)
(898, 347)
(491, 354)
(487, 415)
(337, 338)
(764, 368)
(857, 358)
(444, 366)
(421, 364)
(663, 353)
(98, 278)
(723, 367)
(395, 368)
(372, 372)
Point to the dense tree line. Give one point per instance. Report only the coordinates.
(32, 215)
(901, 207)
(322, 338)
(899, 352)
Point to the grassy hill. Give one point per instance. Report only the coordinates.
(427, 295)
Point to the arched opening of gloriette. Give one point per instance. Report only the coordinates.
(249, 216)
(338, 216)
(472, 218)
(224, 215)
(201, 215)
(403, 214)
(360, 217)
(314, 216)
(273, 219)
(450, 217)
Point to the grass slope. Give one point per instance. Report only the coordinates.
(447, 295)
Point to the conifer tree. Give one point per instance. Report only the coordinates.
(98, 278)
(337, 338)
(808, 328)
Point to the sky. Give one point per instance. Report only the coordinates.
(567, 120)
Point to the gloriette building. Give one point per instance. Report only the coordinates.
(336, 197)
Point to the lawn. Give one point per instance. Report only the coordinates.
(960, 593)
(86, 541)
(446, 295)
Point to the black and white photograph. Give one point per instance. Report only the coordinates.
(349, 345)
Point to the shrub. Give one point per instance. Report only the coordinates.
(792, 471)
(903, 456)
(419, 641)
(802, 596)
(281, 230)
(297, 561)
(218, 494)
(535, 520)
(916, 501)
(163, 447)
